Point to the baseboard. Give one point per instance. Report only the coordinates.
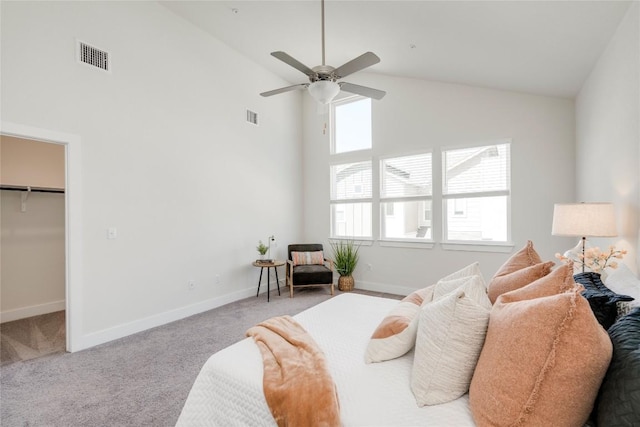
(121, 331)
(34, 310)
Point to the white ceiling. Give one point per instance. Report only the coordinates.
(543, 47)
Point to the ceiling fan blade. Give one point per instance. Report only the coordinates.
(285, 89)
(363, 61)
(362, 90)
(288, 59)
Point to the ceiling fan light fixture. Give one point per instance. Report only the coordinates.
(324, 91)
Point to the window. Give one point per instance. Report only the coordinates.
(476, 193)
(351, 125)
(406, 190)
(351, 192)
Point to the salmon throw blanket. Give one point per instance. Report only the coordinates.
(297, 384)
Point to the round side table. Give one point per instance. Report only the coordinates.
(268, 265)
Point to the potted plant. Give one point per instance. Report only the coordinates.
(345, 258)
(262, 249)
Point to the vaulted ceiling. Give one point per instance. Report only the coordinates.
(543, 47)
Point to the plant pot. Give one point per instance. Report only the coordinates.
(346, 283)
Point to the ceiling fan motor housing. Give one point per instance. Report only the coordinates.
(323, 72)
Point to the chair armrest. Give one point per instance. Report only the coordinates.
(330, 263)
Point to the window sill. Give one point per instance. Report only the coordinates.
(360, 241)
(477, 247)
(406, 244)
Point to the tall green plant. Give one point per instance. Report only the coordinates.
(345, 256)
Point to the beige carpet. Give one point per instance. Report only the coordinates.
(32, 337)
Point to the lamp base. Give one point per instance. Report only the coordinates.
(577, 254)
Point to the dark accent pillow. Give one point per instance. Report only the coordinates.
(619, 398)
(603, 301)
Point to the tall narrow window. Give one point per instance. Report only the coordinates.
(476, 192)
(406, 191)
(351, 172)
(351, 192)
(351, 125)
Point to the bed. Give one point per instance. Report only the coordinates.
(515, 345)
(228, 391)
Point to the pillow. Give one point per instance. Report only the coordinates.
(470, 270)
(450, 335)
(619, 399)
(396, 334)
(444, 287)
(517, 279)
(623, 281)
(307, 258)
(544, 356)
(525, 257)
(603, 301)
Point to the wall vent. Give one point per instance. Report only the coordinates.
(252, 117)
(93, 56)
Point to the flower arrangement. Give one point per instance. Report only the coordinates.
(595, 260)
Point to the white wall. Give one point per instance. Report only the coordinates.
(416, 115)
(608, 134)
(167, 157)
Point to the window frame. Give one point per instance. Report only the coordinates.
(382, 201)
(476, 245)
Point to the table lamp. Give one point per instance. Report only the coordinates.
(584, 220)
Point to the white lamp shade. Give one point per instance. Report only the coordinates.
(324, 91)
(584, 219)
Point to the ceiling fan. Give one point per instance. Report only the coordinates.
(323, 85)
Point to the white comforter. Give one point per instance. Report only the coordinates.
(228, 390)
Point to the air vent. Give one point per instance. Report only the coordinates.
(252, 117)
(93, 56)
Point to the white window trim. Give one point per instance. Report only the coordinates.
(476, 246)
(396, 241)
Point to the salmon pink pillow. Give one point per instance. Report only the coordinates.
(543, 359)
(524, 267)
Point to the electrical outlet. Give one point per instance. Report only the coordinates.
(369, 267)
(191, 285)
(217, 279)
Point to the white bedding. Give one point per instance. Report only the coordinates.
(228, 390)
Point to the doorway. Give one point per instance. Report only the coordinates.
(32, 286)
(72, 222)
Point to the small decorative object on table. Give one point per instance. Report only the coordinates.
(262, 250)
(595, 260)
(345, 258)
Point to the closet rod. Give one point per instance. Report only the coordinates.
(32, 189)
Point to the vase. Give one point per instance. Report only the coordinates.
(346, 283)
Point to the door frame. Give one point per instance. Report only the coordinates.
(73, 221)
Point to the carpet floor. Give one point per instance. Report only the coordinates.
(139, 380)
(32, 337)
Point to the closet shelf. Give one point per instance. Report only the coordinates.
(31, 189)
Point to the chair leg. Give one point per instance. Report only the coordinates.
(332, 289)
(290, 290)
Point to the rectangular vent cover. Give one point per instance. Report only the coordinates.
(93, 56)
(252, 117)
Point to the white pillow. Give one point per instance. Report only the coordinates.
(623, 281)
(470, 270)
(450, 336)
(476, 290)
(396, 333)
